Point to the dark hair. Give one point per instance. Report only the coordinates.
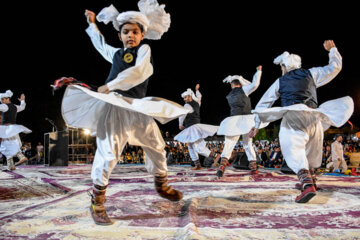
(140, 26)
(235, 82)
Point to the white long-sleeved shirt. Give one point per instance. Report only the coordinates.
(337, 151)
(130, 77)
(5, 108)
(321, 76)
(196, 98)
(250, 88)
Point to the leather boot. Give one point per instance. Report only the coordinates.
(308, 190)
(253, 167)
(21, 158)
(224, 162)
(166, 191)
(10, 164)
(314, 179)
(97, 208)
(197, 165)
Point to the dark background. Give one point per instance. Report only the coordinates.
(206, 42)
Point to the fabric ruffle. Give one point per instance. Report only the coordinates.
(8, 131)
(82, 107)
(196, 132)
(238, 125)
(331, 113)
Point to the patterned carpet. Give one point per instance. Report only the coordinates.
(38, 202)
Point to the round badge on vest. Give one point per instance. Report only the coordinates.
(128, 57)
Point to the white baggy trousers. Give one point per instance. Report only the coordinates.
(196, 148)
(119, 126)
(301, 139)
(230, 142)
(10, 146)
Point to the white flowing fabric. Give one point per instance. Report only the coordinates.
(82, 107)
(10, 140)
(331, 113)
(8, 131)
(196, 132)
(238, 125)
(116, 121)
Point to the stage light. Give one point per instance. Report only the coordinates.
(86, 131)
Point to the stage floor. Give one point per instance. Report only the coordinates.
(38, 202)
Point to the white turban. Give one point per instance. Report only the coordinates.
(242, 80)
(7, 94)
(290, 61)
(152, 17)
(188, 92)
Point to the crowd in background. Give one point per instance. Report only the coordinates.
(268, 152)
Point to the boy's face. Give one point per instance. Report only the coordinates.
(234, 85)
(5, 100)
(187, 98)
(131, 35)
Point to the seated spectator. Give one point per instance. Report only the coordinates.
(31, 154)
(275, 158)
(262, 156)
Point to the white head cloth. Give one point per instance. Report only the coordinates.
(188, 92)
(242, 80)
(7, 94)
(290, 61)
(151, 16)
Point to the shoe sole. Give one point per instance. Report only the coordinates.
(306, 198)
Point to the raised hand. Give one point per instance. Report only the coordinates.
(90, 16)
(22, 97)
(328, 44)
(197, 87)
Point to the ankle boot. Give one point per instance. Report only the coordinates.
(313, 176)
(21, 158)
(314, 179)
(97, 208)
(197, 165)
(253, 167)
(308, 190)
(224, 162)
(10, 164)
(166, 191)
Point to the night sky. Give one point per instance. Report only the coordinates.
(207, 41)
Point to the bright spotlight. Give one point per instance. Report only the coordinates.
(87, 132)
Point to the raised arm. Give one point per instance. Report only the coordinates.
(248, 89)
(22, 105)
(98, 39)
(197, 97)
(323, 75)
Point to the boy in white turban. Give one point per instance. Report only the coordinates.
(303, 122)
(119, 112)
(9, 130)
(193, 132)
(240, 121)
